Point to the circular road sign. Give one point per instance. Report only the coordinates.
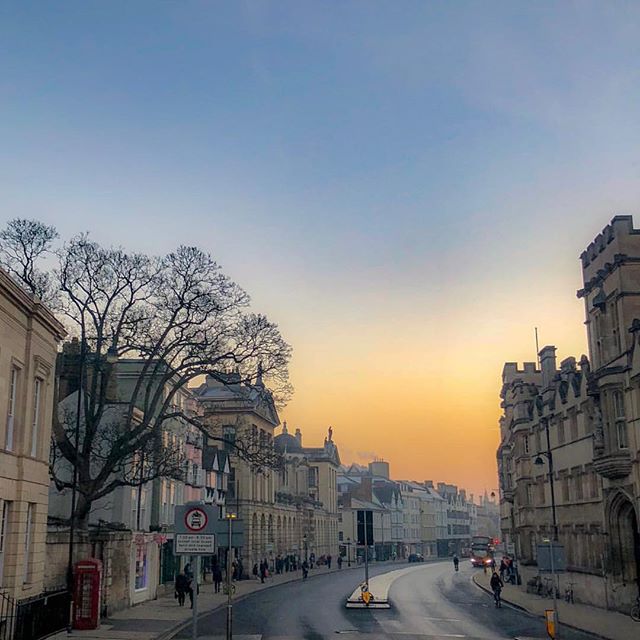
(196, 519)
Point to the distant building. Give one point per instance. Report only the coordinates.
(29, 335)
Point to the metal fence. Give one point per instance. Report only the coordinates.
(33, 618)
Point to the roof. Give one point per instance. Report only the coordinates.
(229, 395)
(286, 443)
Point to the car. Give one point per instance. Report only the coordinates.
(415, 557)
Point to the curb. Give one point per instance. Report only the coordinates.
(537, 615)
(177, 628)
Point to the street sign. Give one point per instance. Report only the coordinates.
(544, 558)
(195, 545)
(195, 530)
(222, 533)
(511, 548)
(365, 527)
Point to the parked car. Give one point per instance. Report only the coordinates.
(416, 557)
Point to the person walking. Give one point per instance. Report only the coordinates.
(263, 571)
(339, 562)
(329, 561)
(217, 578)
(254, 571)
(182, 587)
(496, 586)
(456, 561)
(305, 569)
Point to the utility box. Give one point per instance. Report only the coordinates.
(87, 576)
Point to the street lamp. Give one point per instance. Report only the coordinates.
(539, 462)
(348, 552)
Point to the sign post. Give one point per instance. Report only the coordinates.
(365, 537)
(194, 528)
(230, 518)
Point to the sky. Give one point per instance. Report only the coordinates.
(404, 187)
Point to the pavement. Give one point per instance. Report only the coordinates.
(162, 618)
(600, 622)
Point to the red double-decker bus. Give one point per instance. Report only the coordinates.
(481, 551)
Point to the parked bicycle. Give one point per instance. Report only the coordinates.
(635, 610)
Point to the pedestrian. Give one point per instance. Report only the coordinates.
(263, 571)
(339, 562)
(240, 569)
(305, 569)
(456, 561)
(255, 571)
(329, 561)
(503, 568)
(181, 587)
(217, 577)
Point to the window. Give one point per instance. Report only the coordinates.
(530, 494)
(561, 438)
(28, 535)
(565, 488)
(526, 445)
(37, 394)
(4, 526)
(229, 436)
(578, 483)
(620, 420)
(573, 425)
(539, 440)
(13, 392)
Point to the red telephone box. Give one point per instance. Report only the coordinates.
(86, 594)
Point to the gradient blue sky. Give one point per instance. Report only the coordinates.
(404, 186)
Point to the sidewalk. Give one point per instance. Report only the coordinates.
(603, 623)
(161, 619)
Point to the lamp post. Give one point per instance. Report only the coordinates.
(539, 462)
(348, 552)
(230, 518)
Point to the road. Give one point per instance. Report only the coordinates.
(433, 603)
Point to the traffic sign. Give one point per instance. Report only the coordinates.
(365, 527)
(195, 529)
(195, 545)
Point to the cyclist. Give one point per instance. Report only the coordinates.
(456, 562)
(496, 587)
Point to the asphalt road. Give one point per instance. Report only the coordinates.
(431, 604)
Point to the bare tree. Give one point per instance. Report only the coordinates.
(167, 321)
(22, 244)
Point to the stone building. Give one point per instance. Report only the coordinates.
(587, 416)
(29, 335)
(308, 479)
(285, 510)
(554, 401)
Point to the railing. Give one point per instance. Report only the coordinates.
(33, 618)
(8, 608)
(41, 616)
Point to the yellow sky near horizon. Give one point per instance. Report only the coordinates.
(423, 393)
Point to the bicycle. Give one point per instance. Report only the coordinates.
(635, 610)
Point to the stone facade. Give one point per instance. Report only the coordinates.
(29, 335)
(584, 419)
(285, 511)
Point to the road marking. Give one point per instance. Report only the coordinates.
(443, 619)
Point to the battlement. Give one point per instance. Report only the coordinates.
(510, 370)
(619, 227)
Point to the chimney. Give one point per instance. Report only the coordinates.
(299, 436)
(548, 365)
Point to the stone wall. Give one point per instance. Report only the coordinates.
(112, 548)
